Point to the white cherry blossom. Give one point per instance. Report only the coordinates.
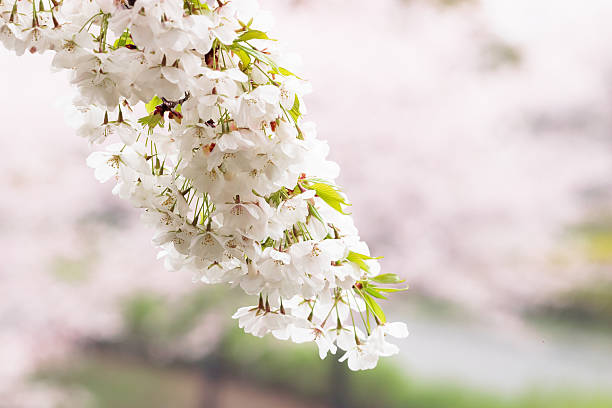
(197, 121)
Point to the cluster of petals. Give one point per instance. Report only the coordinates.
(198, 124)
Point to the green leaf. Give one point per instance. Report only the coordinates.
(367, 321)
(253, 35)
(152, 121)
(330, 195)
(153, 103)
(257, 55)
(388, 278)
(244, 57)
(359, 259)
(372, 290)
(392, 290)
(376, 309)
(315, 213)
(286, 72)
(318, 180)
(247, 25)
(195, 5)
(373, 306)
(124, 40)
(295, 109)
(277, 197)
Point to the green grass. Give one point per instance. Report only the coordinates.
(587, 307)
(299, 370)
(274, 365)
(120, 383)
(149, 315)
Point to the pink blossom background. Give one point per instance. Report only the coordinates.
(471, 139)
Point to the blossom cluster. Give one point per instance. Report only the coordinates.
(200, 124)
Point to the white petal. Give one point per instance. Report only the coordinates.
(398, 330)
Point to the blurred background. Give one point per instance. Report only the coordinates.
(475, 141)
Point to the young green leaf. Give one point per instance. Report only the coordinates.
(152, 121)
(253, 35)
(318, 180)
(191, 5)
(388, 278)
(330, 195)
(244, 57)
(372, 290)
(153, 103)
(367, 321)
(257, 55)
(277, 197)
(125, 39)
(286, 72)
(392, 290)
(373, 306)
(315, 213)
(295, 109)
(359, 259)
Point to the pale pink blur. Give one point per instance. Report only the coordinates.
(470, 140)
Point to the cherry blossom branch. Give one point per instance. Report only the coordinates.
(228, 172)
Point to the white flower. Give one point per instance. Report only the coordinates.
(279, 275)
(291, 88)
(358, 352)
(316, 257)
(258, 108)
(378, 342)
(181, 239)
(225, 82)
(293, 210)
(106, 164)
(252, 282)
(197, 30)
(303, 331)
(162, 219)
(250, 218)
(109, 163)
(258, 322)
(170, 80)
(208, 246)
(364, 354)
(9, 34)
(360, 357)
(73, 50)
(95, 84)
(399, 330)
(34, 39)
(346, 275)
(108, 6)
(218, 161)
